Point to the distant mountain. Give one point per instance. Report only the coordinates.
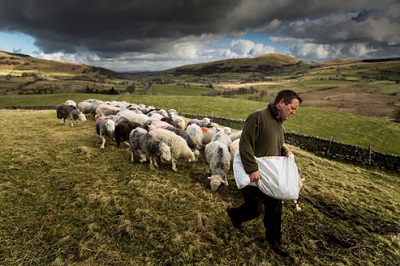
(13, 62)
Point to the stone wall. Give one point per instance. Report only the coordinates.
(325, 147)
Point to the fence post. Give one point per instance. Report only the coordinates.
(329, 146)
(370, 155)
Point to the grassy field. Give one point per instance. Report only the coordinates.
(381, 134)
(67, 202)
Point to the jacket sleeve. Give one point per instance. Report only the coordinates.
(247, 143)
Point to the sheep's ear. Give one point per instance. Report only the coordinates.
(223, 181)
(210, 177)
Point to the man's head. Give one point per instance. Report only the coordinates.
(287, 102)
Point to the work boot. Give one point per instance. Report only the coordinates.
(236, 224)
(279, 249)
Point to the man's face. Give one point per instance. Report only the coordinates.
(285, 111)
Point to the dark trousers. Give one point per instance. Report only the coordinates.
(255, 202)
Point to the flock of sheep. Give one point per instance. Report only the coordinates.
(158, 135)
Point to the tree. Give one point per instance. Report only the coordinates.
(131, 89)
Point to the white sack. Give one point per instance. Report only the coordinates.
(279, 176)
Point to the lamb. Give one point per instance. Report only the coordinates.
(69, 112)
(146, 145)
(179, 147)
(123, 128)
(218, 161)
(105, 126)
(196, 134)
(208, 133)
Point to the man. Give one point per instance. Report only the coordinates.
(263, 135)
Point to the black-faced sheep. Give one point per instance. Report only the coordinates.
(178, 145)
(218, 161)
(123, 128)
(144, 144)
(69, 112)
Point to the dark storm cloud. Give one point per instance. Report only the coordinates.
(108, 32)
(142, 26)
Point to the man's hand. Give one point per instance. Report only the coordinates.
(255, 176)
(287, 153)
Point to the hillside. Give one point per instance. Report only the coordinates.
(23, 74)
(267, 64)
(64, 201)
(12, 63)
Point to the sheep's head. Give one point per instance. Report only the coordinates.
(110, 125)
(165, 152)
(216, 181)
(82, 117)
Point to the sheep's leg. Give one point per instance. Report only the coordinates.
(174, 165)
(132, 157)
(208, 170)
(143, 158)
(154, 161)
(103, 142)
(226, 180)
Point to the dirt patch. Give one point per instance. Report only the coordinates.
(354, 100)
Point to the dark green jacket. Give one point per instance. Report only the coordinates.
(262, 135)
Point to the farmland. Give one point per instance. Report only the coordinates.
(67, 202)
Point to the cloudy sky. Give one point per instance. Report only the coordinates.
(130, 35)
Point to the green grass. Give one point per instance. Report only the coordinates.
(64, 201)
(381, 134)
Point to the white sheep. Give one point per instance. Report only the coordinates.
(178, 145)
(105, 126)
(179, 122)
(235, 135)
(234, 148)
(70, 102)
(222, 137)
(196, 134)
(218, 161)
(146, 145)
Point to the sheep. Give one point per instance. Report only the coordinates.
(202, 123)
(172, 112)
(178, 145)
(234, 148)
(70, 102)
(106, 109)
(169, 121)
(153, 124)
(145, 144)
(218, 161)
(196, 134)
(179, 122)
(89, 106)
(235, 135)
(208, 133)
(188, 139)
(222, 137)
(105, 126)
(135, 117)
(123, 128)
(69, 112)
